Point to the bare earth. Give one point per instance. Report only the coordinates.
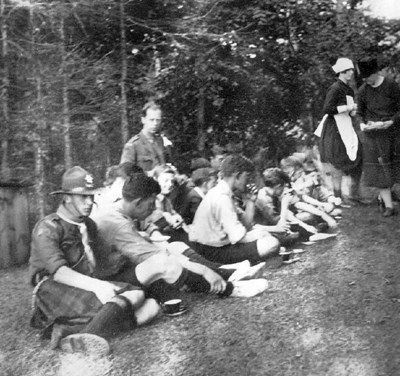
(336, 313)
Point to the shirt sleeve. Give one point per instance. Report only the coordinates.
(46, 240)
(132, 245)
(229, 220)
(129, 153)
(335, 98)
(265, 206)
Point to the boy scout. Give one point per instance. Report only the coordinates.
(69, 297)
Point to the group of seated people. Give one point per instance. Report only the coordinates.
(109, 260)
(291, 203)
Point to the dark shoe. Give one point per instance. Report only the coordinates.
(60, 331)
(322, 227)
(355, 200)
(288, 238)
(389, 212)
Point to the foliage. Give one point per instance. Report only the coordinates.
(251, 73)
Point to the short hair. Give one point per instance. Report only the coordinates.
(291, 161)
(127, 169)
(199, 163)
(111, 174)
(139, 186)
(163, 169)
(202, 175)
(275, 176)
(236, 163)
(150, 104)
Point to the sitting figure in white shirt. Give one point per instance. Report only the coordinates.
(218, 232)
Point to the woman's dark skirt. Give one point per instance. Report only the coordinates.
(381, 165)
(333, 150)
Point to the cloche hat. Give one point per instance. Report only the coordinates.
(342, 64)
(76, 181)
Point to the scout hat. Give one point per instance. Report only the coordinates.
(76, 181)
(367, 66)
(342, 64)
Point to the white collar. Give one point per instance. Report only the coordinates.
(199, 192)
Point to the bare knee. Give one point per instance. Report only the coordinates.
(306, 217)
(177, 248)
(149, 310)
(167, 267)
(268, 246)
(135, 297)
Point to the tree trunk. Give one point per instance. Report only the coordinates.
(201, 136)
(5, 114)
(41, 125)
(39, 176)
(65, 103)
(124, 73)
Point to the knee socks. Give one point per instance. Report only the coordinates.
(114, 317)
(195, 257)
(197, 283)
(162, 291)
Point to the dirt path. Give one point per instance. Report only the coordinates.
(336, 313)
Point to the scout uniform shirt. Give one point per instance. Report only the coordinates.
(57, 243)
(144, 153)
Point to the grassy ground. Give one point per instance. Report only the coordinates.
(337, 312)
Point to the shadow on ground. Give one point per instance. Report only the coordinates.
(336, 313)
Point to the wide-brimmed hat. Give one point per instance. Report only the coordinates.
(342, 64)
(76, 181)
(367, 66)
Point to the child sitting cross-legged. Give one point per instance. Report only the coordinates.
(310, 191)
(277, 204)
(314, 183)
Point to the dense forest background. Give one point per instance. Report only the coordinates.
(249, 74)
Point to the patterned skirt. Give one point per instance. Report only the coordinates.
(55, 302)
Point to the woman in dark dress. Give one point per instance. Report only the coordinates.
(339, 146)
(379, 110)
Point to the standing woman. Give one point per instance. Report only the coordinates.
(339, 146)
(379, 110)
